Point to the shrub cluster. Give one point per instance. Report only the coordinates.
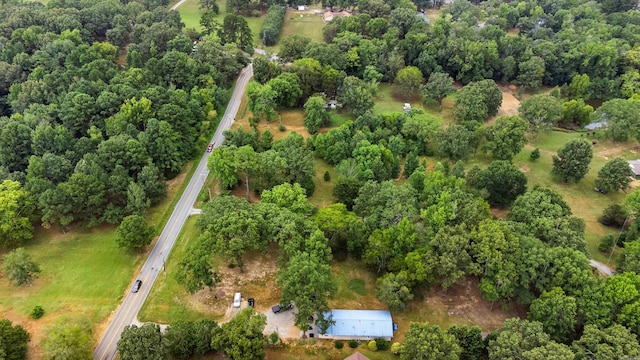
(272, 25)
(339, 344)
(37, 312)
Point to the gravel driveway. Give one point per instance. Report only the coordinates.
(282, 323)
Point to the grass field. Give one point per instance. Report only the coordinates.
(190, 13)
(166, 299)
(300, 23)
(84, 276)
(84, 273)
(387, 101)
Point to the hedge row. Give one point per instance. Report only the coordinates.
(272, 25)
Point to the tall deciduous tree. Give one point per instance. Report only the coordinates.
(69, 340)
(506, 137)
(437, 88)
(315, 114)
(504, 182)
(194, 270)
(16, 208)
(291, 197)
(230, 227)
(557, 313)
(19, 267)
(515, 337)
(262, 101)
(615, 175)
(385, 204)
(576, 112)
(408, 80)
(530, 73)
(621, 118)
(394, 290)
(241, 338)
(572, 162)
(455, 141)
(178, 339)
(615, 342)
(146, 339)
(355, 96)
(428, 342)
(292, 47)
(13, 341)
(133, 233)
(477, 101)
(470, 341)
(342, 228)
(286, 87)
(308, 282)
(541, 111)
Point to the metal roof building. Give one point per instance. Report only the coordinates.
(359, 325)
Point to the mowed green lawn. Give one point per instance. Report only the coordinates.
(84, 275)
(386, 100)
(585, 203)
(166, 300)
(300, 23)
(190, 13)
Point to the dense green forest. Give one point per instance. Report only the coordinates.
(100, 102)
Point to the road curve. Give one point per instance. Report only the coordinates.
(177, 5)
(130, 306)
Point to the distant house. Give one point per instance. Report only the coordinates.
(635, 167)
(356, 356)
(302, 7)
(359, 325)
(330, 15)
(406, 107)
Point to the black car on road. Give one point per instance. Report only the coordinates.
(136, 286)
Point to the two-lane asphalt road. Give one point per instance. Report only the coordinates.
(128, 310)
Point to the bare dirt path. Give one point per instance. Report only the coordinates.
(178, 4)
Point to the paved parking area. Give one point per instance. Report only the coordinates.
(283, 323)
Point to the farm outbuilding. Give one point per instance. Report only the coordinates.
(359, 325)
(635, 167)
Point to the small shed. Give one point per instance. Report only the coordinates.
(635, 167)
(356, 356)
(302, 7)
(359, 325)
(406, 107)
(596, 125)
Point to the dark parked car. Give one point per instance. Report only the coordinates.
(276, 309)
(252, 302)
(136, 286)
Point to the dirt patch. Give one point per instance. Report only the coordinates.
(257, 280)
(461, 304)
(609, 150)
(510, 104)
(500, 213)
(291, 119)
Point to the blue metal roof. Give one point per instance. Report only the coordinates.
(371, 323)
(596, 125)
